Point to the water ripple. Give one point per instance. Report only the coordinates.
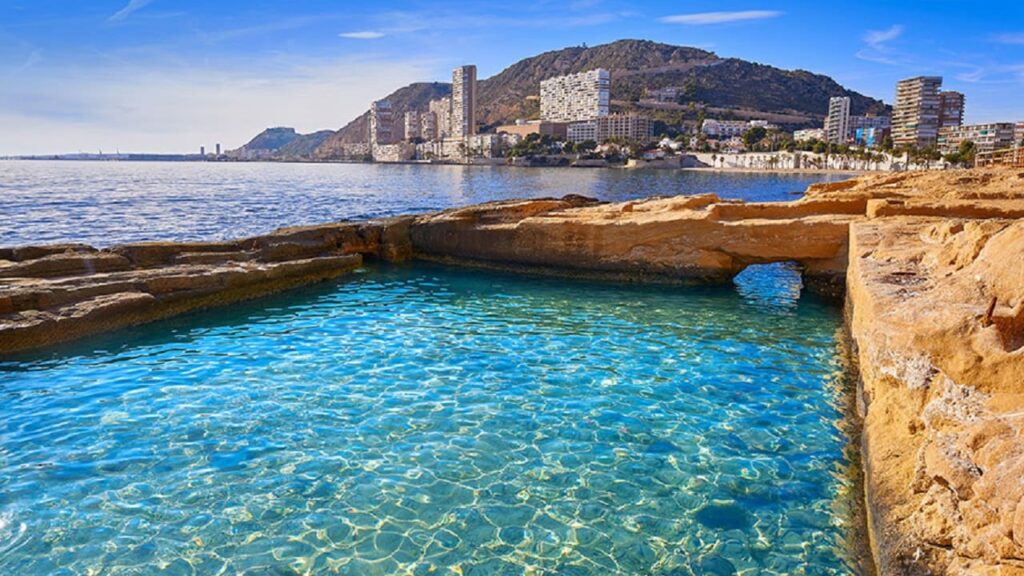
(430, 421)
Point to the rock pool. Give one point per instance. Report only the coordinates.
(428, 420)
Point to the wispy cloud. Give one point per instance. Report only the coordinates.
(703, 18)
(878, 39)
(131, 6)
(993, 74)
(1017, 38)
(363, 35)
(877, 47)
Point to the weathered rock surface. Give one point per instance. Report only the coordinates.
(55, 294)
(937, 312)
(698, 238)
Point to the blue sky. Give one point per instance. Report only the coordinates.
(170, 75)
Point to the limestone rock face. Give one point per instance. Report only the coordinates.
(55, 294)
(935, 307)
(665, 239)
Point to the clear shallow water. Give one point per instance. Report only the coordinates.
(103, 203)
(426, 420)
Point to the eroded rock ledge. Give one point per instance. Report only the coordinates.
(932, 265)
(58, 293)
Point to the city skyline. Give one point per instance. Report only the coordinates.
(145, 75)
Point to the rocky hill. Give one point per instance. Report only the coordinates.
(282, 143)
(718, 87)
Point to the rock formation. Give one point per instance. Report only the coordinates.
(53, 294)
(932, 265)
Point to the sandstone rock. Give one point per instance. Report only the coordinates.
(65, 264)
(149, 254)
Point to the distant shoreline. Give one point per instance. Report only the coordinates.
(780, 171)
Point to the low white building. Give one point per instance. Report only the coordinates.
(809, 134)
(726, 129)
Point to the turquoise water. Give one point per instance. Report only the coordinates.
(104, 203)
(424, 420)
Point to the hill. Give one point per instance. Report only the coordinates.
(282, 143)
(706, 83)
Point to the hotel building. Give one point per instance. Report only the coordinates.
(837, 123)
(576, 97)
(463, 102)
(915, 118)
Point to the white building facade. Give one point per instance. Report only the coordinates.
(837, 122)
(575, 97)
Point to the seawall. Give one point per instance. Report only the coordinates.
(931, 266)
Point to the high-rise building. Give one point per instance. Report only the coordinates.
(575, 97)
(1018, 135)
(412, 125)
(442, 111)
(382, 123)
(951, 109)
(837, 123)
(428, 126)
(915, 117)
(218, 149)
(202, 150)
(463, 101)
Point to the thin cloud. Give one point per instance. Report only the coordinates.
(877, 39)
(363, 35)
(131, 6)
(877, 47)
(993, 74)
(703, 18)
(1010, 38)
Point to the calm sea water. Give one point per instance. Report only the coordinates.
(425, 420)
(102, 203)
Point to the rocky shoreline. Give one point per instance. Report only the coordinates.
(931, 266)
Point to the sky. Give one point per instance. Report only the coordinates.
(171, 75)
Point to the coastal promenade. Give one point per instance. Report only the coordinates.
(930, 266)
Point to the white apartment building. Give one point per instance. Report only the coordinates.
(837, 122)
(582, 131)
(412, 125)
(724, 129)
(809, 134)
(428, 125)
(986, 137)
(623, 126)
(865, 122)
(382, 123)
(576, 97)
(442, 112)
(463, 102)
